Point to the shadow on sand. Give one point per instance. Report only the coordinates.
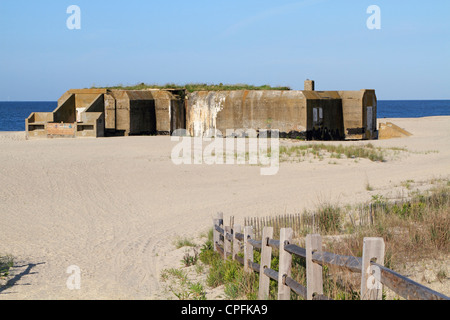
(11, 282)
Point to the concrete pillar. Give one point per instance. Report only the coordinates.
(309, 85)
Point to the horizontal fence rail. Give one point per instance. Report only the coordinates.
(230, 240)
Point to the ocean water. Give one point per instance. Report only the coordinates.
(413, 108)
(13, 114)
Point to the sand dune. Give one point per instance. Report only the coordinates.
(114, 206)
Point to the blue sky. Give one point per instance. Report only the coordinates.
(255, 42)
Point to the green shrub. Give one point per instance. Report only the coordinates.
(6, 263)
(329, 219)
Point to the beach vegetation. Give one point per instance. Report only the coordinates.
(184, 242)
(180, 285)
(334, 151)
(190, 260)
(6, 263)
(416, 229)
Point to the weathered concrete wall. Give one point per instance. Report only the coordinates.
(61, 130)
(130, 112)
(257, 110)
(121, 111)
(162, 110)
(324, 115)
(66, 113)
(35, 124)
(170, 111)
(110, 112)
(123, 115)
(93, 125)
(370, 114)
(64, 97)
(355, 105)
(177, 114)
(202, 110)
(310, 85)
(92, 120)
(83, 99)
(97, 104)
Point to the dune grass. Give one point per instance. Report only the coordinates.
(414, 230)
(333, 151)
(6, 263)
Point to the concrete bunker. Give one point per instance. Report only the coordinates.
(306, 114)
(359, 109)
(101, 112)
(79, 113)
(130, 113)
(241, 110)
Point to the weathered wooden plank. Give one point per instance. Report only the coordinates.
(272, 274)
(219, 248)
(248, 248)
(239, 259)
(236, 242)
(285, 264)
(348, 262)
(371, 286)
(266, 259)
(406, 287)
(314, 278)
(219, 230)
(320, 297)
(294, 249)
(400, 284)
(296, 287)
(227, 242)
(254, 266)
(239, 236)
(255, 243)
(275, 244)
(218, 221)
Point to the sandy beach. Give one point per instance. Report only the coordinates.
(114, 206)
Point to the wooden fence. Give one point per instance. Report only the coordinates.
(230, 241)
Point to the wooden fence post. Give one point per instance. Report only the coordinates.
(226, 243)
(236, 242)
(218, 221)
(314, 278)
(371, 287)
(285, 264)
(266, 258)
(248, 248)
